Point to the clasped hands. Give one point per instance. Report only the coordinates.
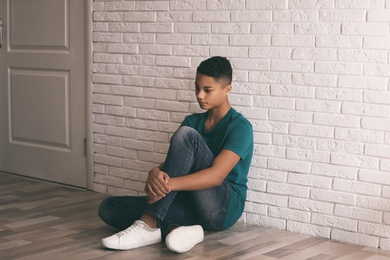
(157, 185)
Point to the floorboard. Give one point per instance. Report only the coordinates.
(45, 221)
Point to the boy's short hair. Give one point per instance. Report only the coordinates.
(217, 67)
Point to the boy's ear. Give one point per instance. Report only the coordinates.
(228, 88)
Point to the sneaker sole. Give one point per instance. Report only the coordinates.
(127, 247)
(174, 240)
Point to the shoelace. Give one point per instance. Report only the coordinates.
(128, 230)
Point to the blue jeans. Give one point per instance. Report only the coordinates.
(187, 153)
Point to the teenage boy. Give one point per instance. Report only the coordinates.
(202, 183)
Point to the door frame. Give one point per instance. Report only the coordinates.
(88, 94)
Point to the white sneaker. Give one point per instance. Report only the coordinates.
(182, 239)
(137, 235)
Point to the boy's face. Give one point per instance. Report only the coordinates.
(209, 93)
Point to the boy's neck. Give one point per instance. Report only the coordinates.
(215, 114)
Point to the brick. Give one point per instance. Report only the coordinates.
(107, 37)
(109, 180)
(366, 29)
(126, 91)
(340, 146)
(314, 79)
(309, 229)
(137, 102)
(251, 40)
(229, 51)
(188, 5)
(272, 28)
(107, 16)
(292, 66)
(290, 116)
(266, 4)
(385, 165)
(312, 130)
(268, 175)
(270, 52)
(317, 28)
(362, 56)
(310, 4)
(373, 203)
(339, 94)
(122, 27)
(371, 176)
(192, 28)
(121, 69)
(295, 15)
(339, 41)
(269, 150)
(362, 82)
(327, 106)
(313, 54)
(210, 39)
(174, 16)
(363, 4)
(379, 70)
(139, 16)
(357, 213)
(120, 131)
(153, 114)
(342, 15)
(173, 39)
(335, 171)
(292, 91)
(240, 100)
(288, 189)
(310, 180)
(333, 196)
(337, 120)
(308, 155)
(266, 221)
(376, 124)
(338, 68)
(288, 165)
(137, 144)
(374, 229)
(257, 185)
(355, 160)
(269, 77)
(273, 102)
(120, 111)
(251, 64)
(354, 238)
(216, 16)
(156, 28)
(365, 109)
(357, 187)
(119, 6)
(265, 198)
(376, 42)
(359, 135)
(334, 222)
(293, 40)
(380, 15)
(376, 97)
(310, 205)
(152, 5)
(294, 141)
(137, 123)
(138, 81)
(225, 4)
(289, 214)
(256, 208)
(111, 161)
(251, 16)
(201, 51)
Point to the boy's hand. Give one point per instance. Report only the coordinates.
(156, 186)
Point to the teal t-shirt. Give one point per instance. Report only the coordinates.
(233, 132)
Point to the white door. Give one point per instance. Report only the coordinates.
(42, 90)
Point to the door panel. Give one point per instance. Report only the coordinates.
(42, 90)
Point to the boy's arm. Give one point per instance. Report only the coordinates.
(209, 177)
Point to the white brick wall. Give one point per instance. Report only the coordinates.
(312, 76)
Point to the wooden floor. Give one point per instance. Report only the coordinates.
(40, 220)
